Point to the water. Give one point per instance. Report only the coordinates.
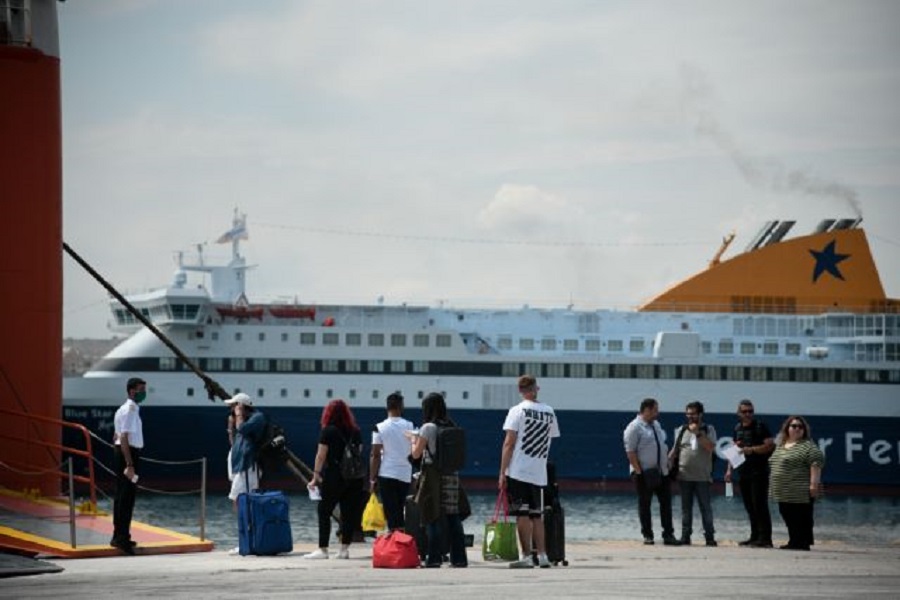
(608, 516)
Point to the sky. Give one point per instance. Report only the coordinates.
(468, 153)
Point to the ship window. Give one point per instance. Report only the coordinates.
(509, 370)
(592, 345)
(307, 365)
(329, 339)
(238, 364)
(213, 364)
(770, 348)
(636, 345)
(465, 395)
(374, 394)
(376, 366)
(215, 336)
(690, 372)
(306, 393)
(734, 373)
(308, 339)
(260, 392)
(167, 363)
(644, 371)
(726, 347)
(398, 340)
(329, 393)
(534, 369)
(420, 340)
(825, 375)
(893, 376)
(803, 374)
(283, 392)
(191, 311)
(555, 370)
(526, 344)
(284, 365)
(570, 345)
(352, 394)
(421, 394)
(578, 370)
(792, 349)
(621, 371)
(398, 366)
(376, 339)
(284, 337)
(706, 347)
(353, 339)
(615, 345)
(420, 366)
(261, 365)
(548, 344)
(758, 374)
(600, 371)
(262, 336)
(504, 342)
(712, 373)
(330, 365)
(353, 365)
(668, 372)
(748, 348)
(781, 374)
(177, 311)
(238, 336)
(849, 376)
(872, 376)
(442, 340)
(190, 392)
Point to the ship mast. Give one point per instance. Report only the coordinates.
(726, 241)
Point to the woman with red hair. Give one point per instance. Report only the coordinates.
(339, 428)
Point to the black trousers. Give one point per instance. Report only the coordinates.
(393, 497)
(755, 494)
(799, 521)
(347, 495)
(123, 503)
(645, 497)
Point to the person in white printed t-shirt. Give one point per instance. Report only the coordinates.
(529, 426)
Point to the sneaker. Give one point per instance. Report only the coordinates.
(123, 546)
(748, 542)
(317, 554)
(234, 551)
(525, 563)
(648, 541)
(344, 553)
(671, 541)
(685, 541)
(711, 543)
(543, 561)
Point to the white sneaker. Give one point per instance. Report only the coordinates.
(525, 563)
(344, 553)
(234, 551)
(543, 561)
(317, 554)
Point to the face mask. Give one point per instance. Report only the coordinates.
(140, 396)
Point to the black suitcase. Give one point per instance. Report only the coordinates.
(412, 523)
(555, 534)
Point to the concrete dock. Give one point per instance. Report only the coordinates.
(596, 570)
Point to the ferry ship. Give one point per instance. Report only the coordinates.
(799, 325)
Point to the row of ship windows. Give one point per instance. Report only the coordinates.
(443, 340)
(558, 370)
(352, 393)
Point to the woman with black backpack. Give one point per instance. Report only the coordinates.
(339, 472)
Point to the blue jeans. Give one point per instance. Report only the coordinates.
(700, 489)
(454, 529)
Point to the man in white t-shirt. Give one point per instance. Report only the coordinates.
(389, 466)
(129, 442)
(529, 427)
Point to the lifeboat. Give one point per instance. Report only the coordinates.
(241, 312)
(293, 312)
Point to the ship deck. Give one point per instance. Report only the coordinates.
(41, 526)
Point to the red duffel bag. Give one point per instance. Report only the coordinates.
(395, 550)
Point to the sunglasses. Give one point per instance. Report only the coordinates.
(797, 426)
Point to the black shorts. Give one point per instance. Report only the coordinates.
(524, 498)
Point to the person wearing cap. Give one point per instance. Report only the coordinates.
(249, 427)
(389, 467)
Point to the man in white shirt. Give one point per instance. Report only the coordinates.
(129, 441)
(389, 466)
(529, 426)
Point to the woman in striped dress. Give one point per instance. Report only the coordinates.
(795, 475)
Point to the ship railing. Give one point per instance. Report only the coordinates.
(23, 466)
(15, 23)
(773, 306)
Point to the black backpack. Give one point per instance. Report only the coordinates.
(270, 450)
(451, 448)
(352, 464)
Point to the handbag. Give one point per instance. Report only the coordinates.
(395, 550)
(499, 542)
(373, 518)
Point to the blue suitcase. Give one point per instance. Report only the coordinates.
(264, 526)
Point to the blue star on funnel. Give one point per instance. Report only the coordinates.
(827, 261)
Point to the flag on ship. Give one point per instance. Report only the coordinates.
(237, 232)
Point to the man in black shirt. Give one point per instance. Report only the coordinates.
(755, 441)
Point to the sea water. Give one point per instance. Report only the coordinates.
(604, 516)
